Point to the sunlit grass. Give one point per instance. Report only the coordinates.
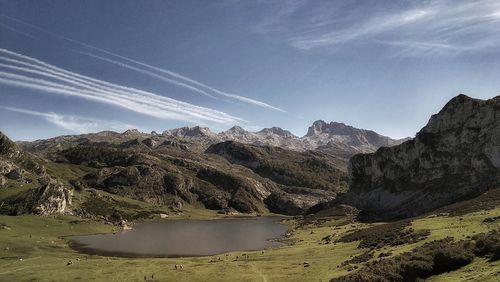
(39, 242)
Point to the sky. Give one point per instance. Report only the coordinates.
(69, 67)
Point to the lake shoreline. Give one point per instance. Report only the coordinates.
(274, 240)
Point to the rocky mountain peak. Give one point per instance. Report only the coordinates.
(332, 128)
(316, 128)
(338, 135)
(236, 130)
(195, 131)
(277, 131)
(132, 132)
(461, 111)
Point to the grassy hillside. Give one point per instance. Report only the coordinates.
(35, 248)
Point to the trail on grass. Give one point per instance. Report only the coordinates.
(257, 270)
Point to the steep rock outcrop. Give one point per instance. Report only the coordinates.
(455, 156)
(51, 198)
(340, 136)
(8, 149)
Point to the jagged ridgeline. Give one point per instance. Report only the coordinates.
(271, 170)
(169, 170)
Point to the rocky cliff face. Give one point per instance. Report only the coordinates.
(455, 156)
(338, 136)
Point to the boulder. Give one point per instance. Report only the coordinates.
(51, 198)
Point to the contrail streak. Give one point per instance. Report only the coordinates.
(146, 72)
(184, 80)
(49, 69)
(66, 83)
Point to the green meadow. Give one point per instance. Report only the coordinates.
(34, 248)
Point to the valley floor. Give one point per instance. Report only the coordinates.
(34, 248)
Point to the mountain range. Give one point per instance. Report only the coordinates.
(455, 156)
(338, 139)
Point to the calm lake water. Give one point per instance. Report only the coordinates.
(176, 238)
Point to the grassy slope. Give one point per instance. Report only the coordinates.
(33, 248)
(45, 254)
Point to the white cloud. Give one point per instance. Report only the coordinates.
(74, 123)
(409, 28)
(368, 29)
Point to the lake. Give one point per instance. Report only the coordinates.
(179, 238)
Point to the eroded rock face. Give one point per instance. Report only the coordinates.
(8, 149)
(338, 135)
(52, 198)
(455, 156)
(50, 195)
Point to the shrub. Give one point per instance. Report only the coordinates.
(390, 234)
(488, 244)
(430, 259)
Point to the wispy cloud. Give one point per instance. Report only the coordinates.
(369, 29)
(408, 28)
(27, 72)
(74, 123)
(150, 70)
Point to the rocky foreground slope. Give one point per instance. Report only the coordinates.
(22, 170)
(228, 176)
(455, 156)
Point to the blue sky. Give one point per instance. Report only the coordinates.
(69, 67)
